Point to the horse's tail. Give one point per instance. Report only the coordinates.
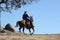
(17, 23)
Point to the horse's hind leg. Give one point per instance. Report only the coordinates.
(33, 30)
(20, 29)
(23, 30)
(30, 31)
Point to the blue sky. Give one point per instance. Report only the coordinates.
(46, 14)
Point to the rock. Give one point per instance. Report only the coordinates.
(2, 31)
(9, 28)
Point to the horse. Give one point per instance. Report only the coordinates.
(26, 25)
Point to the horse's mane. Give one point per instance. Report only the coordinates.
(31, 18)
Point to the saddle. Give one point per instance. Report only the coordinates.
(25, 22)
(28, 22)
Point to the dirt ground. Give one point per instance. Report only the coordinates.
(20, 36)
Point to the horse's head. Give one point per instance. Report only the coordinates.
(31, 18)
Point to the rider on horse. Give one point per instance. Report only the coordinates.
(26, 17)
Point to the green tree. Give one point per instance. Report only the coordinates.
(13, 4)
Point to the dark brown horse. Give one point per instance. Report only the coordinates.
(23, 24)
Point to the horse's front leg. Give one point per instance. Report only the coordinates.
(33, 30)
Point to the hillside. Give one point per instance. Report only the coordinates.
(20, 36)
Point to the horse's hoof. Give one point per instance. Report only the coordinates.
(24, 33)
(20, 31)
(31, 33)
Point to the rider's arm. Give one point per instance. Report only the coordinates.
(28, 16)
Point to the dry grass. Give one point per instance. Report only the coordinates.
(20, 36)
